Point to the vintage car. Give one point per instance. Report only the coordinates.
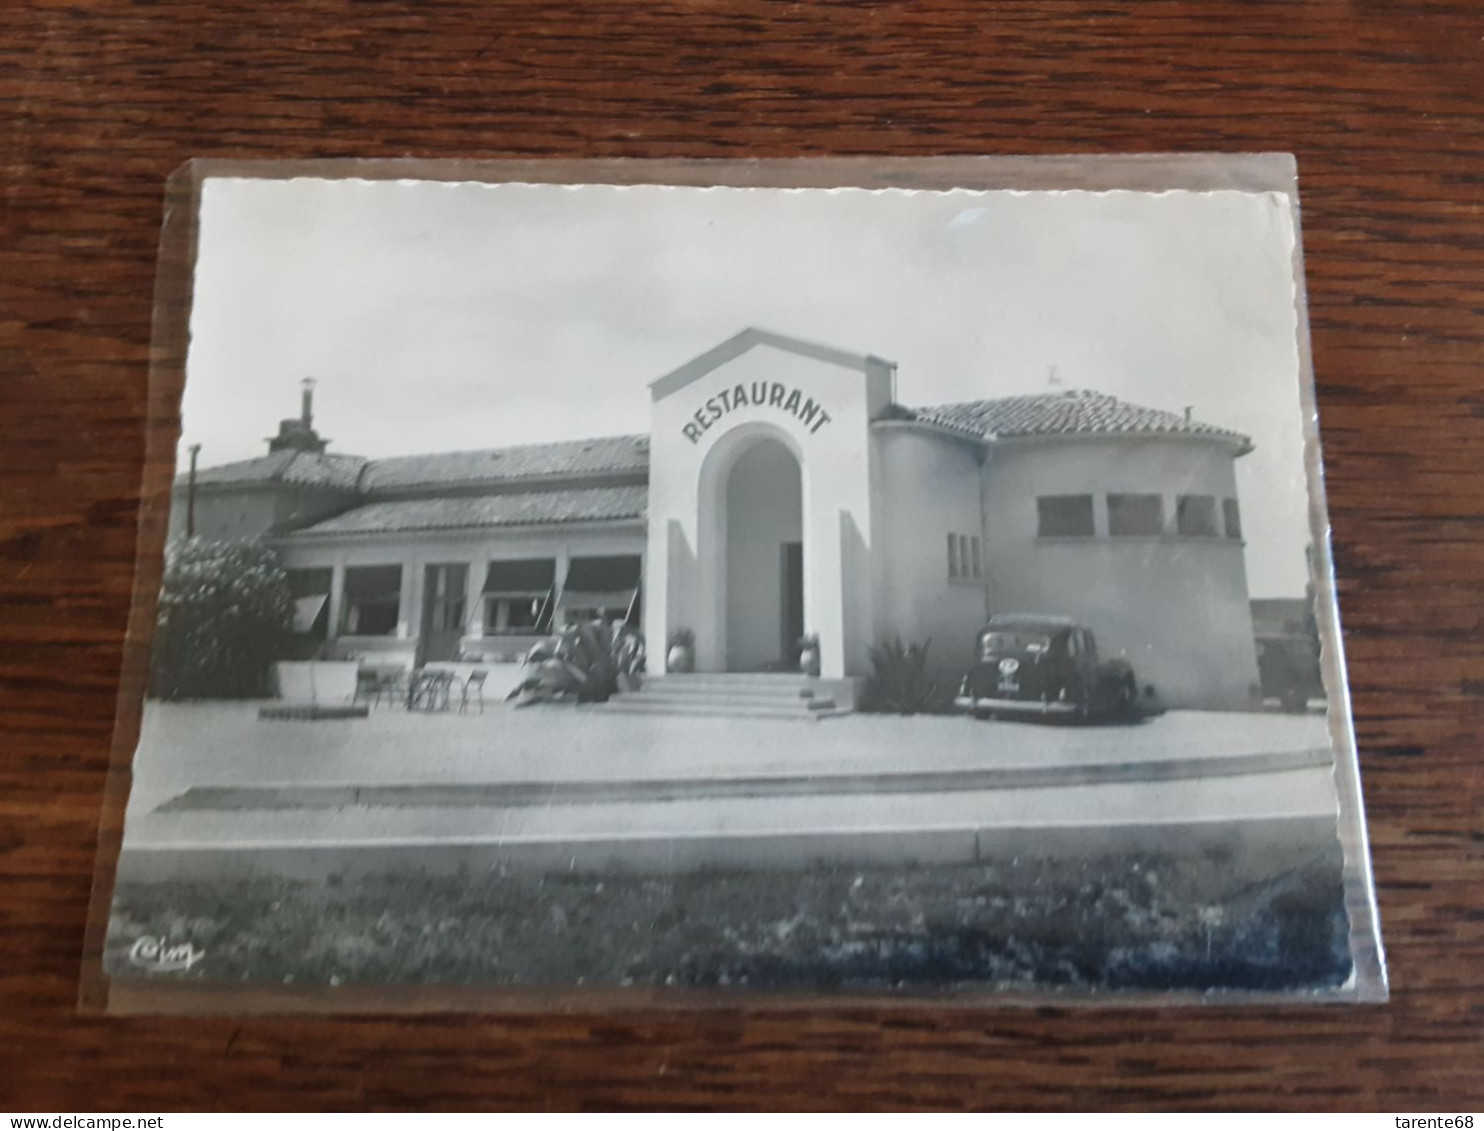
(1288, 666)
(1031, 664)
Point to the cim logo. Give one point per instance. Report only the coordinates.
(159, 956)
(762, 394)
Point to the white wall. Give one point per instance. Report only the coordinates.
(763, 504)
(227, 514)
(241, 513)
(929, 488)
(688, 473)
(1177, 607)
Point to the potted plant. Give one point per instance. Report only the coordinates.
(681, 656)
(809, 653)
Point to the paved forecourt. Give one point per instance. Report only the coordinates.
(218, 791)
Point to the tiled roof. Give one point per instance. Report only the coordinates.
(502, 465)
(530, 508)
(1043, 414)
(304, 469)
(1075, 412)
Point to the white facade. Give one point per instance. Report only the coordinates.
(783, 491)
(812, 406)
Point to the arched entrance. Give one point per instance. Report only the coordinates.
(764, 558)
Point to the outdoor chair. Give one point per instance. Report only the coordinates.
(474, 686)
(394, 684)
(369, 687)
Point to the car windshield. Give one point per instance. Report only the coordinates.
(997, 642)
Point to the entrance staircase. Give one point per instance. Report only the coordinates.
(762, 695)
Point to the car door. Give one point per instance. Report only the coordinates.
(1088, 663)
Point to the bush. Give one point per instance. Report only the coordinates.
(225, 616)
(584, 662)
(902, 682)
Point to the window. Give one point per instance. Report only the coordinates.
(373, 600)
(579, 615)
(1064, 516)
(1195, 516)
(1136, 516)
(997, 643)
(309, 582)
(1233, 518)
(518, 597)
(964, 558)
(516, 616)
(310, 589)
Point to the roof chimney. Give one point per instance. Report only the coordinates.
(299, 435)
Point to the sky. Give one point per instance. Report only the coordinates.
(446, 316)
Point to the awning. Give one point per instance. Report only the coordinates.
(368, 584)
(601, 583)
(307, 611)
(309, 582)
(527, 577)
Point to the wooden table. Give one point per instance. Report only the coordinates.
(1381, 104)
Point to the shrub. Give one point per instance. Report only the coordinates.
(902, 682)
(225, 616)
(584, 662)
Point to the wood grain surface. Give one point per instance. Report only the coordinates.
(102, 99)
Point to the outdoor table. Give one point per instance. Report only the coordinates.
(375, 680)
(429, 691)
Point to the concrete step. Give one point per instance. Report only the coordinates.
(743, 691)
(641, 704)
(729, 694)
(757, 682)
(778, 703)
(986, 778)
(776, 695)
(733, 677)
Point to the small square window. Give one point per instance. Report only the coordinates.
(1064, 516)
(1233, 518)
(965, 562)
(1195, 516)
(1135, 516)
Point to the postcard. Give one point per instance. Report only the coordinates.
(738, 582)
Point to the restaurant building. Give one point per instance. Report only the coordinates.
(782, 489)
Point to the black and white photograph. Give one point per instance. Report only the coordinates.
(760, 591)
